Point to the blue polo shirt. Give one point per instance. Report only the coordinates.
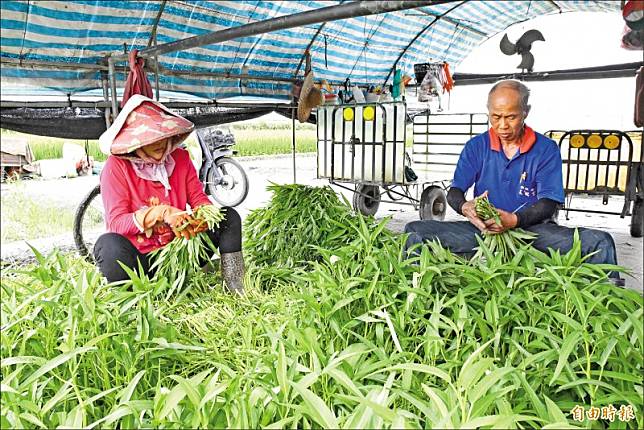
(533, 173)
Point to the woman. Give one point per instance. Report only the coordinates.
(146, 185)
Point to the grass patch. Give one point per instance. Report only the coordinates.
(272, 125)
(249, 140)
(24, 218)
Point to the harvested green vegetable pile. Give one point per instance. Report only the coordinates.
(505, 245)
(298, 224)
(350, 334)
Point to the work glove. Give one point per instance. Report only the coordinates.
(199, 225)
(178, 220)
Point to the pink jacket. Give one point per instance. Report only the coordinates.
(124, 193)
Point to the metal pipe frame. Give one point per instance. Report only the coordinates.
(620, 71)
(105, 67)
(308, 47)
(293, 112)
(156, 68)
(12, 104)
(420, 33)
(106, 97)
(330, 13)
(153, 33)
(52, 64)
(455, 22)
(112, 75)
(224, 75)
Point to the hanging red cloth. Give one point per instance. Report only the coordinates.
(448, 82)
(137, 81)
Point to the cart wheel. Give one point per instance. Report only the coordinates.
(433, 204)
(637, 218)
(366, 199)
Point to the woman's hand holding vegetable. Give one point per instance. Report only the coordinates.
(181, 223)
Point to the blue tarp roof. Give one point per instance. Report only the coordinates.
(363, 49)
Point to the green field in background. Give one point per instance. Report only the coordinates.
(252, 139)
(259, 139)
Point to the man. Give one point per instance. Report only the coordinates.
(520, 172)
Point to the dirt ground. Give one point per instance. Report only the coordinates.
(279, 169)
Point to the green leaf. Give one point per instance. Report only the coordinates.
(566, 349)
(53, 363)
(32, 419)
(281, 372)
(57, 398)
(554, 412)
(493, 378)
(416, 367)
(118, 413)
(344, 380)
(316, 408)
(22, 360)
(471, 372)
(437, 403)
(189, 386)
(126, 394)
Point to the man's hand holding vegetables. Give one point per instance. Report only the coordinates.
(520, 172)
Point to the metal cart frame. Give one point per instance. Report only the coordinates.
(364, 144)
(605, 163)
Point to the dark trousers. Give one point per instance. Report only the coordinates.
(113, 247)
(460, 238)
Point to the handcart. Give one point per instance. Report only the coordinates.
(364, 144)
(604, 163)
(438, 142)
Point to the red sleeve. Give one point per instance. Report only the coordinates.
(116, 198)
(196, 195)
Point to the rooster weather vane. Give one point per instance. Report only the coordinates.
(522, 47)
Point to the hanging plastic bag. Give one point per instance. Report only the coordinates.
(358, 95)
(430, 88)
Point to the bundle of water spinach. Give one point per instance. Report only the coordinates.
(505, 244)
(182, 256)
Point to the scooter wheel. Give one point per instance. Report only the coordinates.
(227, 182)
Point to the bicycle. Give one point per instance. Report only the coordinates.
(224, 180)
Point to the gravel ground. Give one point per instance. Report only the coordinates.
(279, 169)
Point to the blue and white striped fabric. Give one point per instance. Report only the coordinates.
(362, 49)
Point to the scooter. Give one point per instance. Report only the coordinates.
(224, 178)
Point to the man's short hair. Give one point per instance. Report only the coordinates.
(524, 91)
